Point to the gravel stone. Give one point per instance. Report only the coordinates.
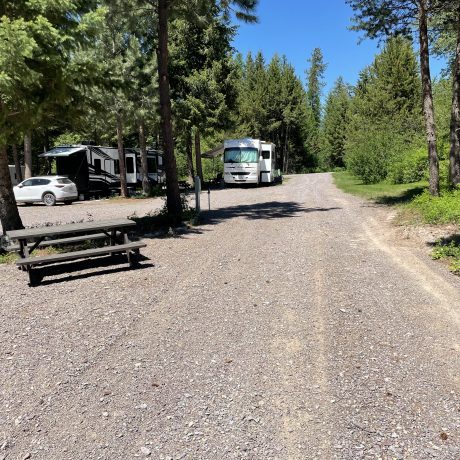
(353, 340)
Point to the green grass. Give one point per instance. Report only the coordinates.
(8, 258)
(443, 209)
(383, 192)
(448, 249)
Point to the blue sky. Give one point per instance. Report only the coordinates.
(296, 27)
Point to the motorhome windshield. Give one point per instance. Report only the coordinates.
(241, 155)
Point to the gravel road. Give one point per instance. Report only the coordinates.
(294, 323)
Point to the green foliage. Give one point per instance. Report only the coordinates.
(443, 209)
(335, 126)
(272, 106)
(67, 139)
(448, 249)
(410, 166)
(383, 192)
(8, 258)
(385, 120)
(40, 75)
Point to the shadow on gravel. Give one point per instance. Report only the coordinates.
(268, 210)
(88, 264)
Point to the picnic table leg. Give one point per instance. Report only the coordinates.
(23, 252)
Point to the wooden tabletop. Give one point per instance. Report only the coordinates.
(82, 227)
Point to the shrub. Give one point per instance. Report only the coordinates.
(438, 209)
(411, 166)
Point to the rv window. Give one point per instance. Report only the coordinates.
(151, 165)
(129, 165)
(266, 154)
(97, 166)
(116, 166)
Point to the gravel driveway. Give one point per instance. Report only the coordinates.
(293, 324)
(39, 214)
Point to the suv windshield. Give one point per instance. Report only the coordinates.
(63, 181)
(241, 155)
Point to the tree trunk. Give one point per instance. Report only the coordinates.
(189, 151)
(17, 164)
(145, 171)
(173, 201)
(199, 168)
(428, 109)
(454, 156)
(28, 155)
(9, 214)
(121, 156)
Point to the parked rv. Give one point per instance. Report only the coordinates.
(96, 169)
(250, 161)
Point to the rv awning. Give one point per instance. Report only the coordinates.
(214, 152)
(62, 152)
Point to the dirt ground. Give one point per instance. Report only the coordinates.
(296, 322)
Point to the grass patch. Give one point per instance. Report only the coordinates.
(419, 207)
(443, 209)
(382, 192)
(8, 258)
(448, 249)
(11, 257)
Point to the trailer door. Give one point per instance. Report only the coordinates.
(266, 174)
(131, 176)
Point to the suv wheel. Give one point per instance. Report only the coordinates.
(49, 199)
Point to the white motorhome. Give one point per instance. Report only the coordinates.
(250, 161)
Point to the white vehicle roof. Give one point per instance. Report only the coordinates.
(47, 177)
(246, 142)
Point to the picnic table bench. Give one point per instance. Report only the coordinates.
(115, 231)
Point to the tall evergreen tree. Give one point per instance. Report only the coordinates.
(384, 112)
(38, 41)
(315, 85)
(190, 10)
(389, 17)
(335, 125)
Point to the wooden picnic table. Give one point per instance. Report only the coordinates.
(114, 230)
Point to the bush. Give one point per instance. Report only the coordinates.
(442, 209)
(411, 166)
(369, 154)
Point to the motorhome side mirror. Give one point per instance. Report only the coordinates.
(261, 158)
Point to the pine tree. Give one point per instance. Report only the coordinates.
(384, 114)
(335, 125)
(389, 17)
(315, 85)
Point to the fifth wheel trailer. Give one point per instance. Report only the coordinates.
(96, 170)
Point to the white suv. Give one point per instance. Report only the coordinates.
(48, 189)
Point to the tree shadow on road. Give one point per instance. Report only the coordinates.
(267, 211)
